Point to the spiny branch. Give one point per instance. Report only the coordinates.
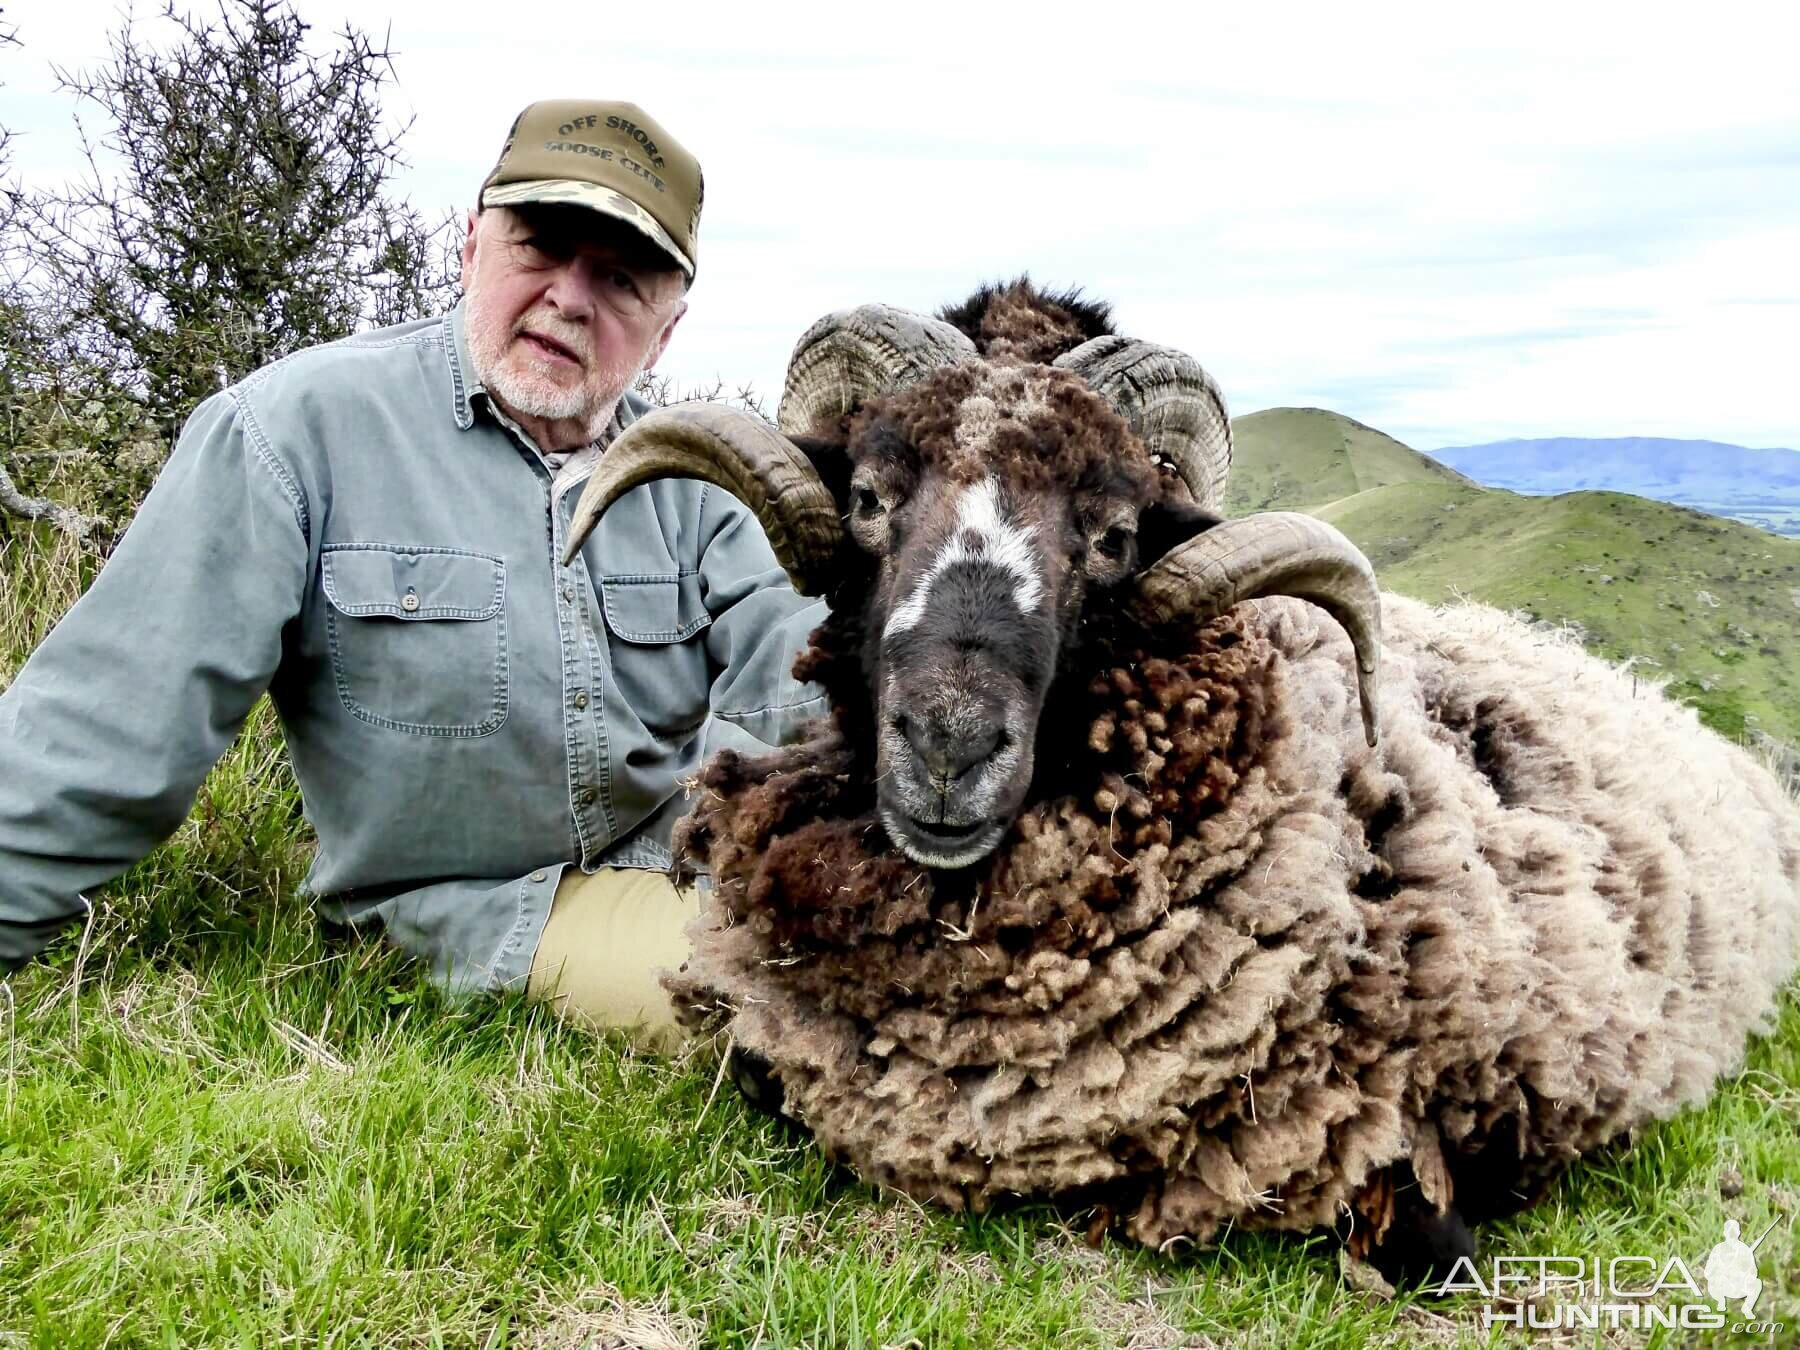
(15, 503)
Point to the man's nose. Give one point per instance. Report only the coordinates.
(572, 289)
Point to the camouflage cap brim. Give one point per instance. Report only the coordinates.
(595, 197)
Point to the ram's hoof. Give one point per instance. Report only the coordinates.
(756, 1079)
(1421, 1250)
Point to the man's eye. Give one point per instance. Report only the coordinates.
(543, 249)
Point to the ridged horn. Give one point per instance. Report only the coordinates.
(739, 452)
(1173, 406)
(1272, 553)
(857, 354)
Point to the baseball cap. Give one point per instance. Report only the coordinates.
(613, 158)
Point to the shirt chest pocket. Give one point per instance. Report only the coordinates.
(657, 630)
(417, 637)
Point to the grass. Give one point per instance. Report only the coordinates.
(1691, 599)
(220, 1124)
(1300, 459)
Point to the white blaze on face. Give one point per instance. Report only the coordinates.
(981, 538)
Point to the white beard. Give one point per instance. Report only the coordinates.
(526, 385)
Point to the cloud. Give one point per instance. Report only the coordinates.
(1450, 224)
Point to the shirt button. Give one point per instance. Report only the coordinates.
(585, 797)
(409, 602)
(581, 698)
(537, 876)
(568, 594)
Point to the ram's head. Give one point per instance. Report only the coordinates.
(968, 514)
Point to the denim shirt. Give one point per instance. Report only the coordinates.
(356, 530)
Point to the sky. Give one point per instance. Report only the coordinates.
(1454, 223)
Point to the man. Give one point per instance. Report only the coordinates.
(489, 745)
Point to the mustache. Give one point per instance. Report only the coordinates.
(558, 331)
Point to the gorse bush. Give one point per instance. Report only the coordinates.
(70, 435)
(236, 206)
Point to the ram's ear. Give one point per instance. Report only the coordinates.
(831, 461)
(1166, 524)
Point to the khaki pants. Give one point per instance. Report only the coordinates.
(608, 936)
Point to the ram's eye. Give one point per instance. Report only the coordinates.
(1114, 542)
(867, 503)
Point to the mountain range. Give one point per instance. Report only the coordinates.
(1760, 487)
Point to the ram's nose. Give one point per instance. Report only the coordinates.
(950, 747)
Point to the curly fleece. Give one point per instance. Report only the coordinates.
(1252, 962)
(1019, 322)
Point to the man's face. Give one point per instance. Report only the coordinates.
(564, 309)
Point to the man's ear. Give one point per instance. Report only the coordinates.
(1166, 525)
(831, 461)
(661, 344)
(468, 249)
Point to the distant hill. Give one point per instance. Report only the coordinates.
(1760, 487)
(1711, 605)
(1300, 458)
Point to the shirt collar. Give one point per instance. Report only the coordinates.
(464, 383)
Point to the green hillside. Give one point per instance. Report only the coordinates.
(1302, 458)
(1711, 605)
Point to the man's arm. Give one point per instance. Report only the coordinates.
(760, 624)
(112, 725)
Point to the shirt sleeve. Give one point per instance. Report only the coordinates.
(110, 728)
(760, 624)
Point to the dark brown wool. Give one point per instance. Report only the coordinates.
(1048, 429)
(1015, 321)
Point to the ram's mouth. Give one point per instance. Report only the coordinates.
(942, 846)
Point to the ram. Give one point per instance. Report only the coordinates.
(1161, 862)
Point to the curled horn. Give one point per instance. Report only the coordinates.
(1172, 405)
(858, 354)
(739, 452)
(1176, 409)
(1272, 553)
